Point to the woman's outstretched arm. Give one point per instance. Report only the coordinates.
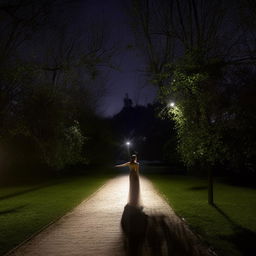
(122, 165)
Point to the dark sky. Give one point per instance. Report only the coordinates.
(128, 79)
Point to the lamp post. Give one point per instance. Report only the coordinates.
(128, 143)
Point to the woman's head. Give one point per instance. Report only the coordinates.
(133, 158)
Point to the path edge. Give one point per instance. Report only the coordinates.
(210, 249)
(55, 220)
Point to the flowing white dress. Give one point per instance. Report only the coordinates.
(134, 192)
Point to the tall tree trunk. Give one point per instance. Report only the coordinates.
(210, 185)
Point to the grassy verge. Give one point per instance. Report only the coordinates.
(229, 226)
(26, 209)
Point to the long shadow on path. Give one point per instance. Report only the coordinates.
(156, 235)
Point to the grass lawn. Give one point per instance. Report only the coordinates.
(26, 209)
(229, 227)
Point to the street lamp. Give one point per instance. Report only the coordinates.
(172, 104)
(128, 143)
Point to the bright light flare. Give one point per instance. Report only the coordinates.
(128, 143)
(172, 104)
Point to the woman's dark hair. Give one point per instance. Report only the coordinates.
(133, 158)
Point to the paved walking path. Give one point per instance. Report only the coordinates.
(93, 227)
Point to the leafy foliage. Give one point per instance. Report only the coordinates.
(196, 96)
(49, 91)
(67, 148)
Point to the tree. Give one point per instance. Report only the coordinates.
(49, 91)
(198, 114)
(189, 57)
(20, 20)
(239, 135)
(19, 23)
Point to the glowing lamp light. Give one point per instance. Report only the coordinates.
(172, 104)
(128, 143)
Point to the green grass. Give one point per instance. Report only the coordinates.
(26, 209)
(229, 227)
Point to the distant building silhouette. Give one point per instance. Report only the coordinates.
(127, 101)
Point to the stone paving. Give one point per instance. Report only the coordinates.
(93, 227)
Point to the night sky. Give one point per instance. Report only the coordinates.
(128, 77)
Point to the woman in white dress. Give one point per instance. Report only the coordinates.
(134, 192)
